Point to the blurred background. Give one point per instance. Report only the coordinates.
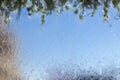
(66, 40)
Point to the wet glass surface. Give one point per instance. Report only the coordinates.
(64, 48)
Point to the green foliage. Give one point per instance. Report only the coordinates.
(48, 7)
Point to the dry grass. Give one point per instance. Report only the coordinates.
(9, 69)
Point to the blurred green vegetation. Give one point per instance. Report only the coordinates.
(48, 7)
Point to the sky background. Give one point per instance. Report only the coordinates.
(65, 39)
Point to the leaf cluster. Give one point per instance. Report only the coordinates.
(48, 7)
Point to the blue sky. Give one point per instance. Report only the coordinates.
(65, 39)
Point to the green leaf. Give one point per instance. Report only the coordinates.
(81, 17)
(43, 19)
(68, 7)
(76, 11)
(42, 10)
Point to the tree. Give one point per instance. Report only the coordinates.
(48, 7)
